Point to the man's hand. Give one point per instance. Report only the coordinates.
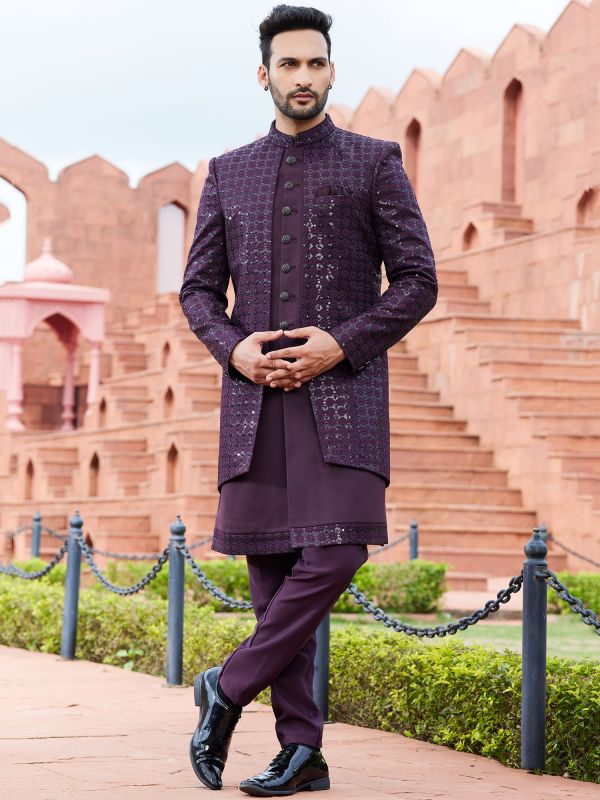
(248, 358)
(320, 353)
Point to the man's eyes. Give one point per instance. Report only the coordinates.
(318, 63)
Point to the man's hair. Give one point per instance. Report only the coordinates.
(290, 18)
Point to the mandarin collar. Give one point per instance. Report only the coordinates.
(314, 134)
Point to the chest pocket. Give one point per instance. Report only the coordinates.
(332, 195)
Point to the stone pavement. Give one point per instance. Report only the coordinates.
(75, 730)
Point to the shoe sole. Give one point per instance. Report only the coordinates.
(198, 686)
(311, 786)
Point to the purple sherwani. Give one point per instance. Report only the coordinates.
(308, 254)
(291, 496)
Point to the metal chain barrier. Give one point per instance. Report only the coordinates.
(208, 584)
(147, 556)
(503, 596)
(52, 533)
(19, 573)
(137, 587)
(573, 552)
(575, 604)
(12, 534)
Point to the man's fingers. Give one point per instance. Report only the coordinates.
(294, 352)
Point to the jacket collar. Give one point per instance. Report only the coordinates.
(314, 134)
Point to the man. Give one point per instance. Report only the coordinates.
(301, 220)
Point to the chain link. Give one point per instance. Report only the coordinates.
(19, 573)
(208, 584)
(491, 606)
(575, 603)
(12, 534)
(137, 587)
(552, 537)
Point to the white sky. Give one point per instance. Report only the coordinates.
(143, 84)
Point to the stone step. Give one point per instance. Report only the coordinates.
(554, 402)
(525, 353)
(425, 408)
(452, 277)
(566, 326)
(543, 384)
(553, 369)
(493, 562)
(548, 422)
(524, 336)
(453, 492)
(419, 423)
(469, 514)
(401, 437)
(457, 305)
(442, 457)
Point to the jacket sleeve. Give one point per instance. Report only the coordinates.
(203, 294)
(409, 264)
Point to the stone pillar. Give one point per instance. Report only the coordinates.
(68, 398)
(93, 378)
(14, 394)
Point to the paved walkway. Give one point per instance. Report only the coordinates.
(75, 730)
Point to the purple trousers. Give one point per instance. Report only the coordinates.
(292, 593)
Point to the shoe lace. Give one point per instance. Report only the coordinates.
(281, 755)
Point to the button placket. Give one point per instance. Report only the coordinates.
(289, 253)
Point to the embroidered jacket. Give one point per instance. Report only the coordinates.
(358, 209)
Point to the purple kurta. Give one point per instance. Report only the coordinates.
(292, 497)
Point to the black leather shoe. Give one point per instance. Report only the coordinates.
(209, 744)
(295, 768)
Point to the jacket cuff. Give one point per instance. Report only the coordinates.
(342, 333)
(233, 338)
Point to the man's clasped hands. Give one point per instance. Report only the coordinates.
(318, 354)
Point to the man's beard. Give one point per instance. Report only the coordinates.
(286, 106)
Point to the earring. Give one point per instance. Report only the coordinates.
(266, 88)
(330, 86)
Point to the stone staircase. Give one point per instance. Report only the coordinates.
(446, 474)
(531, 389)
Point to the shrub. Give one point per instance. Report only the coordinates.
(447, 693)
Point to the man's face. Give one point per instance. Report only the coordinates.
(299, 64)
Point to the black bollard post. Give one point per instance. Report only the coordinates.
(321, 674)
(69, 627)
(36, 532)
(414, 540)
(533, 680)
(175, 605)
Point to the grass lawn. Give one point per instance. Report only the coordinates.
(567, 636)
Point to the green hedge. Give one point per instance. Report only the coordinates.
(584, 585)
(463, 697)
(410, 587)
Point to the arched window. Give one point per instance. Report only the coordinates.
(170, 247)
(29, 481)
(169, 402)
(512, 146)
(172, 476)
(470, 237)
(94, 475)
(412, 152)
(166, 355)
(588, 208)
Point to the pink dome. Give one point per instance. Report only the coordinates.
(47, 267)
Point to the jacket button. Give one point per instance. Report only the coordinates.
(285, 238)
(289, 184)
(284, 325)
(291, 159)
(283, 295)
(286, 267)
(286, 210)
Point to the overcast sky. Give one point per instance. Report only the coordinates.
(143, 84)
